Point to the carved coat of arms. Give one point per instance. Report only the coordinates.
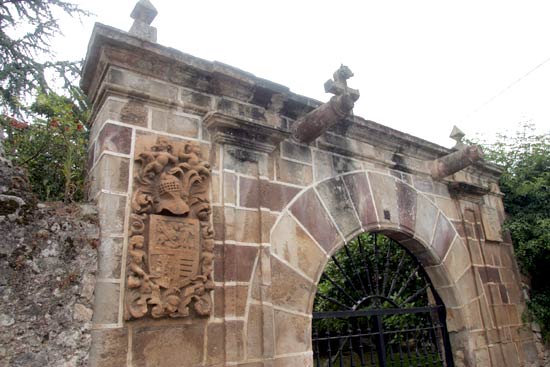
(171, 240)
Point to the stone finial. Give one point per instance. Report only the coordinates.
(339, 85)
(457, 135)
(143, 14)
(315, 123)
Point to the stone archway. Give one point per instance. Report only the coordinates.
(324, 216)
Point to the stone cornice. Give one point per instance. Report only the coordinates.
(218, 79)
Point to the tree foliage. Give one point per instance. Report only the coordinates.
(42, 110)
(525, 182)
(26, 28)
(52, 148)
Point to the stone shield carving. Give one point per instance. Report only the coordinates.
(171, 241)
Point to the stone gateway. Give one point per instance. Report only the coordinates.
(227, 195)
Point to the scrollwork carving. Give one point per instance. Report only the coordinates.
(171, 241)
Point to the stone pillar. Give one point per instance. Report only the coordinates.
(149, 172)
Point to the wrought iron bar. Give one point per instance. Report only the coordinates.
(344, 273)
(365, 261)
(329, 349)
(361, 352)
(336, 302)
(375, 261)
(375, 311)
(357, 271)
(386, 268)
(416, 294)
(406, 284)
(397, 271)
(338, 287)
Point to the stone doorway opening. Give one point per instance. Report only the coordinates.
(376, 306)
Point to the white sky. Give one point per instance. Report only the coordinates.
(421, 66)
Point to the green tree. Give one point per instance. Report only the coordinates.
(52, 148)
(26, 29)
(42, 110)
(525, 182)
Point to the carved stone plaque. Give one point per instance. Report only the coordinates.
(174, 250)
(171, 242)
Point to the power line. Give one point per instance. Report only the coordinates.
(504, 90)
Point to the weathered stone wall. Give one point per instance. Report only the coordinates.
(279, 210)
(48, 262)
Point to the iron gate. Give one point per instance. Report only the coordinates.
(375, 306)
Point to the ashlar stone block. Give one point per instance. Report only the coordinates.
(426, 215)
(443, 236)
(109, 348)
(320, 225)
(291, 243)
(112, 210)
(360, 193)
(106, 303)
(292, 333)
(334, 194)
(215, 344)
(110, 257)
(289, 290)
(161, 346)
(406, 202)
(175, 123)
(239, 262)
(114, 138)
(111, 173)
(457, 259)
(384, 193)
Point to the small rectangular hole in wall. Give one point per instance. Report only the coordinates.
(387, 215)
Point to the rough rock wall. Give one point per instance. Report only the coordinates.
(48, 260)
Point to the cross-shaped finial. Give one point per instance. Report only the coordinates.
(143, 14)
(457, 135)
(339, 85)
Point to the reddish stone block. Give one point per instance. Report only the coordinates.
(406, 202)
(215, 344)
(219, 304)
(276, 196)
(114, 138)
(234, 340)
(492, 274)
(358, 188)
(218, 219)
(459, 228)
(249, 192)
(310, 212)
(162, 346)
(444, 235)
(235, 300)
(238, 262)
